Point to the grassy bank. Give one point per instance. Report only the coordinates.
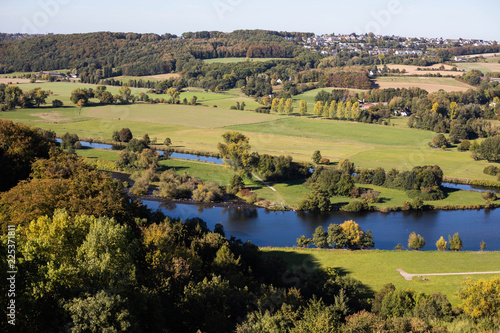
(377, 268)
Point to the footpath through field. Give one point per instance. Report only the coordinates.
(409, 276)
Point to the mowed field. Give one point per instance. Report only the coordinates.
(431, 84)
(485, 67)
(376, 268)
(422, 70)
(235, 60)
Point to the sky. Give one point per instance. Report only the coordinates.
(410, 18)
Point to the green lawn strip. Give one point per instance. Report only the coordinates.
(445, 81)
(232, 60)
(376, 268)
(310, 95)
(341, 131)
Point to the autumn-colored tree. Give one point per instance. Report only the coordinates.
(281, 106)
(481, 298)
(302, 108)
(325, 111)
(415, 242)
(274, 105)
(288, 106)
(332, 111)
(453, 110)
(441, 244)
(318, 108)
(21, 145)
(353, 233)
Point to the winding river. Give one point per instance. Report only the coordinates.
(267, 228)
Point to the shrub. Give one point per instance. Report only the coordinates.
(356, 206)
(57, 103)
(489, 195)
(464, 145)
(491, 170)
(324, 161)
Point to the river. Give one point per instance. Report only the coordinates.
(268, 228)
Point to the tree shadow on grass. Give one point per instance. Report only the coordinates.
(163, 168)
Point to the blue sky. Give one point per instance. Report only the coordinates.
(415, 18)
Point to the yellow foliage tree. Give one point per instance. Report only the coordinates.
(481, 298)
(441, 244)
(352, 231)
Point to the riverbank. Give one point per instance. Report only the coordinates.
(289, 194)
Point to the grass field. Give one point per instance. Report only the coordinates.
(422, 70)
(484, 67)
(377, 268)
(235, 60)
(431, 84)
(200, 128)
(309, 95)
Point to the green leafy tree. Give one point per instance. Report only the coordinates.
(489, 149)
(316, 157)
(236, 152)
(167, 142)
(303, 241)
(482, 245)
(346, 167)
(106, 98)
(336, 237)
(319, 238)
(302, 108)
(124, 95)
(193, 101)
(79, 94)
(441, 244)
(102, 312)
(415, 242)
(455, 242)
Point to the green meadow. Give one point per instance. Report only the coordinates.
(236, 60)
(376, 268)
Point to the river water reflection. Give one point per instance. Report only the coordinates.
(267, 228)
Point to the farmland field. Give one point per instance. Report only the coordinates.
(431, 84)
(484, 67)
(376, 268)
(235, 60)
(414, 70)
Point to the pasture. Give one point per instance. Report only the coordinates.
(309, 95)
(236, 60)
(484, 67)
(431, 84)
(376, 268)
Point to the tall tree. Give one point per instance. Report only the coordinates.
(441, 244)
(236, 152)
(316, 157)
(289, 106)
(302, 108)
(318, 108)
(415, 242)
(319, 238)
(455, 242)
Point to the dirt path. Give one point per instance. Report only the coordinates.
(409, 276)
(263, 182)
